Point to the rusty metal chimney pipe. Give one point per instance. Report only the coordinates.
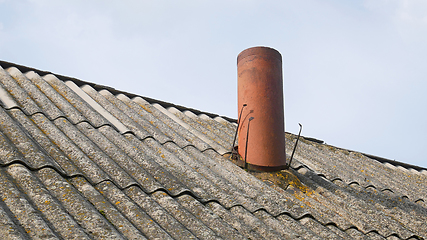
(260, 86)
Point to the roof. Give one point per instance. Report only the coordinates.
(80, 160)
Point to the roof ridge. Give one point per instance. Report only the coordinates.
(379, 159)
(98, 87)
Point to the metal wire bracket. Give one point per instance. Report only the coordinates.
(247, 140)
(237, 130)
(295, 147)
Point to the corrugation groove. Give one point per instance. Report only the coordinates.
(114, 121)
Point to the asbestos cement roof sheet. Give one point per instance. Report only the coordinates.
(83, 161)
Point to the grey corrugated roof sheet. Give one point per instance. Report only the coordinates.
(82, 161)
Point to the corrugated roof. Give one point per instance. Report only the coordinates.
(79, 160)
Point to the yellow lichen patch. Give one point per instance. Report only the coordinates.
(146, 109)
(283, 179)
(287, 180)
(328, 147)
(295, 182)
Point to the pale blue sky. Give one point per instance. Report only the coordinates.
(355, 72)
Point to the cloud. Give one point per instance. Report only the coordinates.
(408, 16)
(413, 12)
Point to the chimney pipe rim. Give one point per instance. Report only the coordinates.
(261, 51)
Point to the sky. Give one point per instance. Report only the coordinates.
(354, 72)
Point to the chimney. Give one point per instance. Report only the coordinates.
(260, 87)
